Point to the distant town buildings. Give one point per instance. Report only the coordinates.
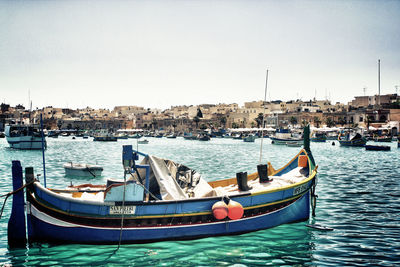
(364, 111)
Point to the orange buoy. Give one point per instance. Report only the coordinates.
(235, 210)
(220, 210)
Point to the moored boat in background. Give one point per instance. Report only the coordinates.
(104, 136)
(294, 144)
(82, 169)
(318, 137)
(348, 138)
(249, 138)
(377, 148)
(189, 136)
(386, 139)
(24, 136)
(283, 136)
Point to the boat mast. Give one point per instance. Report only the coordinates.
(43, 148)
(262, 125)
(379, 82)
(30, 105)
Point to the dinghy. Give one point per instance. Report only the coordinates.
(82, 169)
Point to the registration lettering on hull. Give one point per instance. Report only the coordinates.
(116, 210)
(300, 189)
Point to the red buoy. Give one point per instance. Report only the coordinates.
(235, 210)
(220, 210)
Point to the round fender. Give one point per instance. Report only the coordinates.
(235, 210)
(220, 210)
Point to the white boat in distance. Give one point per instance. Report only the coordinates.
(82, 169)
(24, 136)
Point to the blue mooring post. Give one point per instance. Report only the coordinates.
(16, 223)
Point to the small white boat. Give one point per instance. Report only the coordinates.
(294, 144)
(82, 170)
(143, 142)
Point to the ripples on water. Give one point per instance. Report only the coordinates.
(359, 196)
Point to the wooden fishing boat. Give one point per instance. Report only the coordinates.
(387, 139)
(104, 136)
(352, 139)
(318, 137)
(82, 169)
(163, 200)
(294, 144)
(249, 138)
(377, 148)
(203, 137)
(283, 136)
(24, 136)
(189, 136)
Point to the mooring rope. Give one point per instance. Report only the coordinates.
(313, 199)
(123, 213)
(12, 193)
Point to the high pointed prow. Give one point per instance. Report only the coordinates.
(306, 138)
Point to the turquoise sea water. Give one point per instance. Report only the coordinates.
(359, 196)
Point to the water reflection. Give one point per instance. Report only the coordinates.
(288, 245)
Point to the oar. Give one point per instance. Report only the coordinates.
(87, 168)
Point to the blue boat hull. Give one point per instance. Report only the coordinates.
(42, 227)
(65, 216)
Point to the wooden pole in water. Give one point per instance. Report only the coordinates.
(262, 125)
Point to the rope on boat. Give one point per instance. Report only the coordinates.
(123, 212)
(313, 198)
(12, 193)
(144, 187)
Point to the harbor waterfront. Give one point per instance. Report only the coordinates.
(358, 196)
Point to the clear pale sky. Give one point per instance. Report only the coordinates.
(173, 52)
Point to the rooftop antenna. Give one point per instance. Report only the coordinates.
(364, 90)
(397, 89)
(262, 125)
